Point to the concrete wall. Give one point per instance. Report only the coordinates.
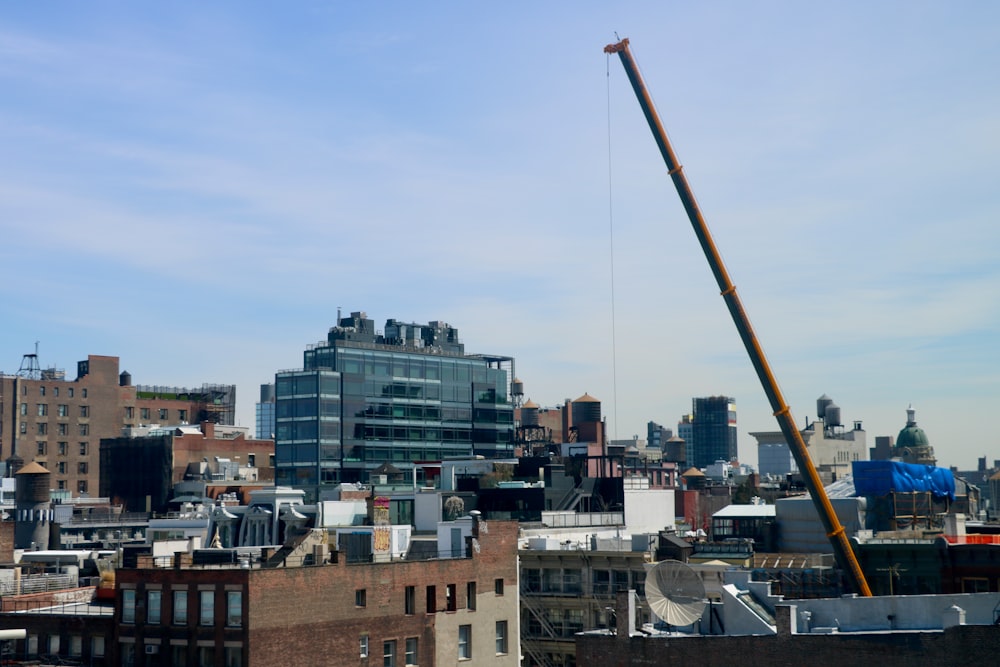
(649, 510)
(427, 508)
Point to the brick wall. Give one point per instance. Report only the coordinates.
(311, 615)
(968, 645)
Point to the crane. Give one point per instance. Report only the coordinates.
(835, 531)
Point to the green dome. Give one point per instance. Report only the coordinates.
(912, 437)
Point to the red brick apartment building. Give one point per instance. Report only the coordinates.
(60, 423)
(386, 614)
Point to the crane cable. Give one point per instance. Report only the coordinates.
(611, 254)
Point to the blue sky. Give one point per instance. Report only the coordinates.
(198, 187)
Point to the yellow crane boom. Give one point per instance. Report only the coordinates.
(834, 530)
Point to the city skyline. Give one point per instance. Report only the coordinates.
(198, 190)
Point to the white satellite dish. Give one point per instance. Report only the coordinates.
(675, 593)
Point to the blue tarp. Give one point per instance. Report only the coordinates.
(879, 478)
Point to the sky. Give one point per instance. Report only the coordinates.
(198, 188)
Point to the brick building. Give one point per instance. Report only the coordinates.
(408, 612)
(59, 422)
(141, 468)
(957, 643)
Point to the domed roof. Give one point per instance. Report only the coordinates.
(912, 436)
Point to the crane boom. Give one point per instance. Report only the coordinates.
(834, 530)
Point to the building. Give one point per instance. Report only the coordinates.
(59, 422)
(265, 413)
(566, 589)
(832, 448)
(758, 628)
(364, 398)
(657, 436)
(912, 444)
(140, 468)
(685, 431)
(324, 609)
(713, 431)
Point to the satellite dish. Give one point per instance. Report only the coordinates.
(675, 593)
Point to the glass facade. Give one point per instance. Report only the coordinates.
(364, 400)
(265, 413)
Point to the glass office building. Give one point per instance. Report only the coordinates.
(265, 413)
(409, 395)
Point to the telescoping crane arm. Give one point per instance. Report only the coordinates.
(835, 532)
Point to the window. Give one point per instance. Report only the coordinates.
(206, 614)
(465, 642)
(75, 645)
(501, 637)
(451, 597)
(411, 651)
(70, 390)
(389, 653)
(43, 428)
(83, 392)
(43, 409)
(163, 414)
(144, 414)
(234, 609)
(128, 606)
(153, 606)
(61, 468)
(97, 642)
(82, 468)
(41, 391)
(470, 596)
(129, 412)
(61, 484)
(975, 585)
(361, 598)
(431, 600)
(54, 644)
(81, 486)
(63, 429)
(180, 607)
(24, 427)
(233, 656)
(252, 460)
(206, 656)
(182, 415)
(84, 429)
(41, 448)
(83, 449)
(55, 391)
(84, 410)
(363, 642)
(498, 586)
(62, 410)
(24, 409)
(410, 600)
